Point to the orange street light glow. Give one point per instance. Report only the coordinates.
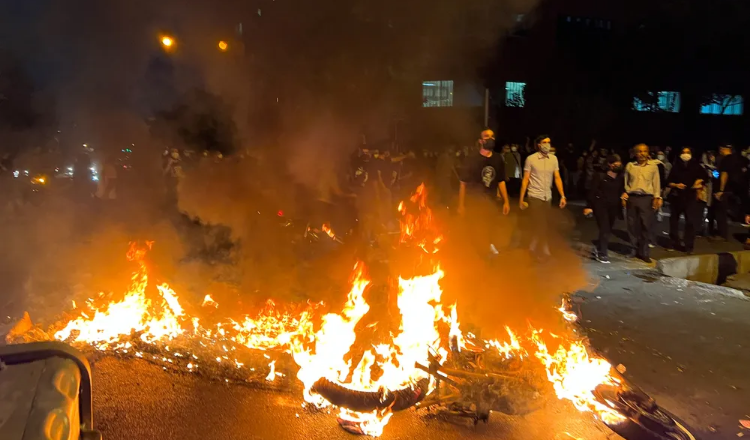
(167, 41)
(223, 46)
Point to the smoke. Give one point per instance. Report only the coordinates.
(513, 288)
(293, 91)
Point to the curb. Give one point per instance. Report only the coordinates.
(707, 268)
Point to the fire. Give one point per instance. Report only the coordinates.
(273, 329)
(574, 375)
(327, 229)
(567, 315)
(332, 346)
(209, 302)
(154, 317)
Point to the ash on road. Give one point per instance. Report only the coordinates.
(136, 400)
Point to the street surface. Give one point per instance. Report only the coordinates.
(136, 400)
(686, 344)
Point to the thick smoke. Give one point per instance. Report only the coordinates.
(316, 89)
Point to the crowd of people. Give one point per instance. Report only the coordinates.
(642, 185)
(707, 190)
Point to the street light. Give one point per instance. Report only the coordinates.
(223, 46)
(167, 42)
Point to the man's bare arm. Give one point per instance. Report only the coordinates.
(524, 185)
(559, 184)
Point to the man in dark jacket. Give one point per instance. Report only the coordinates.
(604, 201)
(684, 181)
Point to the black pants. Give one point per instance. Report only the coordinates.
(605, 219)
(721, 213)
(540, 212)
(640, 221)
(693, 212)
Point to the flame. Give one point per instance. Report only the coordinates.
(567, 315)
(208, 301)
(154, 317)
(272, 328)
(575, 375)
(272, 373)
(329, 346)
(327, 229)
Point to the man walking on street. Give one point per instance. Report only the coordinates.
(540, 171)
(483, 184)
(642, 197)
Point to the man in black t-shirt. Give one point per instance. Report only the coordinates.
(483, 173)
(483, 178)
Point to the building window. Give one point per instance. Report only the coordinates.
(724, 105)
(514, 94)
(437, 94)
(661, 102)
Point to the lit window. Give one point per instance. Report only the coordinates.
(724, 105)
(437, 94)
(662, 101)
(514, 94)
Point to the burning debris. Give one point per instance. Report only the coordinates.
(366, 368)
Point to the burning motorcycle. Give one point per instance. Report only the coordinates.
(477, 381)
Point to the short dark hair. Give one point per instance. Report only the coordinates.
(540, 138)
(612, 158)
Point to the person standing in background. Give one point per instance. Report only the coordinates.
(658, 215)
(541, 170)
(604, 202)
(642, 197)
(684, 182)
(732, 168)
(512, 159)
(709, 165)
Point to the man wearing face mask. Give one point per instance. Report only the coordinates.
(484, 172)
(604, 202)
(482, 185)
(540, 172)
(642, 197)
(685, 180)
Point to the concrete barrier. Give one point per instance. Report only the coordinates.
(708, 268)
(703, 268)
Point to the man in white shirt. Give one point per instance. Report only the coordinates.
(540, 172)
(642, 198)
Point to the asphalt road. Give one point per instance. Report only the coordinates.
(136, 400)
(686, 344)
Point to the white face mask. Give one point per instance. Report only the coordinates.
(545, 147)
(686, 157)
(660, 157)
(513, 149)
